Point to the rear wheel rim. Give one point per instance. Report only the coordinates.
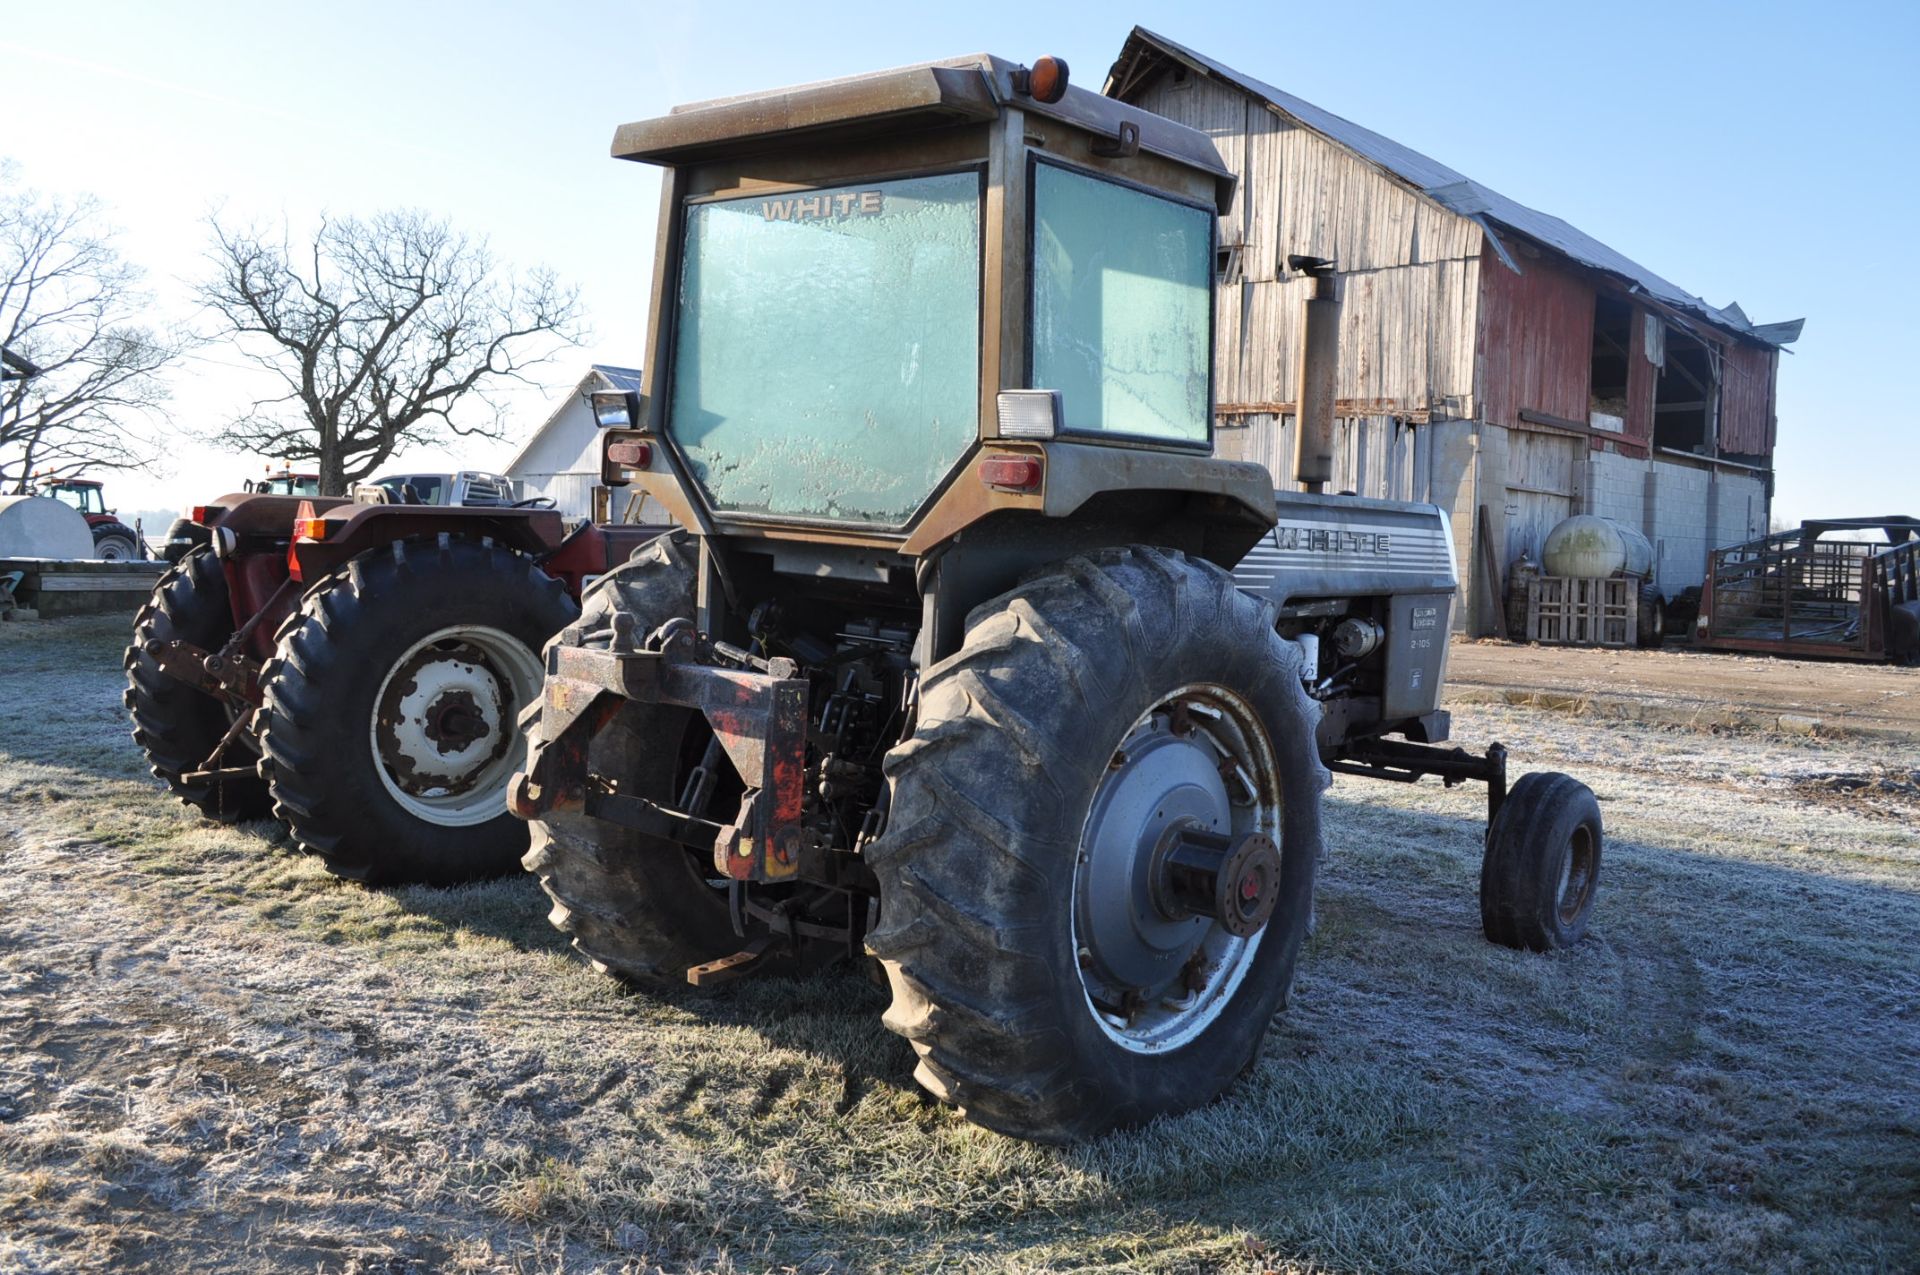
(1201, 757)
(443, 725)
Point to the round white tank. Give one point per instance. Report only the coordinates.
(41, 527)
(1589, 547)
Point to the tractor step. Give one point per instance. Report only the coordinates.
(729, 968)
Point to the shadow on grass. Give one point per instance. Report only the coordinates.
(511, 908)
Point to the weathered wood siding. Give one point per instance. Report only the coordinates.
(1410, 279)
(1536, 340)
(1375, 456)
(1746, 399)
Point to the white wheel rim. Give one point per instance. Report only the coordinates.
(443, 732)
(1226, 734)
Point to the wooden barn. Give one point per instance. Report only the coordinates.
(1493, 359)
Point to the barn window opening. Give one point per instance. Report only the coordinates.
(1686, 395)
(1226, 263)
(1612, 338)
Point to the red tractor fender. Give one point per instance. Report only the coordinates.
(272, 547)
(323, 539)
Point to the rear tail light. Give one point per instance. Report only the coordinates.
(310, 528)
(631, 455)
(199, 512)
(1011, 473)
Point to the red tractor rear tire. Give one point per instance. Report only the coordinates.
(178, 726)
(390, 707)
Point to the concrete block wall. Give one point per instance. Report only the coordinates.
(1617, 488)
(1680, 524)
(1740, 510)
(1684, 509)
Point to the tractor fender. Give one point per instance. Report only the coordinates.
(348, 529)
(1213, 509)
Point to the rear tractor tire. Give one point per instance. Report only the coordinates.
(116, 544)
(637, 907)
(1542, 865)
(1098, 866)
(176, 725)
(390, 706)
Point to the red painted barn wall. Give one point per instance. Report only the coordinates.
(1536, 340)
(1746, 399)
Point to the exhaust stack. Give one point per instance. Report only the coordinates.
(1319, 378)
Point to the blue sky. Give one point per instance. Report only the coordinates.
(1754, 152)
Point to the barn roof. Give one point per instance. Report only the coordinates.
(598, 376)
(1146, 54)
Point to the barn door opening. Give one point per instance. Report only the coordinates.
(1613, 329)
(1686, 397)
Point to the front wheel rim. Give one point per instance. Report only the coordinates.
(1199, 757)
(443, 731)
(1577, 872)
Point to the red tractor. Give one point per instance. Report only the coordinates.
(113, 540)
(357, 670)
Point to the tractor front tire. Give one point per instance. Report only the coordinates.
(176, 725)
(1094, 714)
(637, 907)
(390, 707)
(1541, 870)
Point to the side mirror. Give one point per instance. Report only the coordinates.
(615, 409)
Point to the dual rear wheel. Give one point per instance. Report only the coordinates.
(387, 729)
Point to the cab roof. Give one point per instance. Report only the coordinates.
(927, 95)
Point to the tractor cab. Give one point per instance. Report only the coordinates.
(962, 295)
(83, 494)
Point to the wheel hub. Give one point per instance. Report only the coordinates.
(1233, 881)
(1164, 785)
(442, 719)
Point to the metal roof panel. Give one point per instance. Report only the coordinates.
(1461, 194)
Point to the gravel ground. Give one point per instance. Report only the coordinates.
(213, 1056)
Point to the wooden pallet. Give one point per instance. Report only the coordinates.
(1565, 611)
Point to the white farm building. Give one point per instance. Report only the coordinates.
(562, 459)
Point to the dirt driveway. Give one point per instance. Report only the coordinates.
(1689, 688)
(214, 1057)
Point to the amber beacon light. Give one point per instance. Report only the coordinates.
(1044, 81)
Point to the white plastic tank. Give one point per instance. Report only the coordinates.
(1589, 547)
(41, 527)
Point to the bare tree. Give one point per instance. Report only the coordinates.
(379, 332)
(83, 376)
